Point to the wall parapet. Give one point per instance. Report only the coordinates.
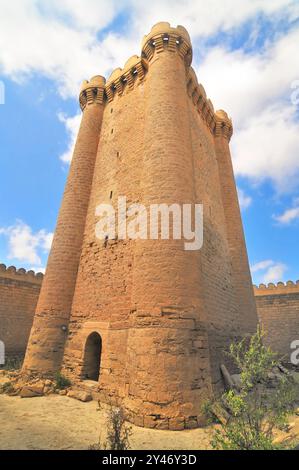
(224, 125)
(92, 91)
(162, 37)
(198, 95)
(289, 287)
(120, 79)
(11, 272)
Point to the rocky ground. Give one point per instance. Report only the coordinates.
(61, 422)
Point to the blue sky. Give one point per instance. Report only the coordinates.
(245, 55)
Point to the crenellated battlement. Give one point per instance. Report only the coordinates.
(92, 91)
(223, 125)
(289, 287)
(277, 307)
(21, 274)
(163, 37)
(120, 79)
(198, 95)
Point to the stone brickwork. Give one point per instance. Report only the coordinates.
(278, 311)
(146, 320)
(19, 292)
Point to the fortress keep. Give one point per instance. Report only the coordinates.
(145, 320)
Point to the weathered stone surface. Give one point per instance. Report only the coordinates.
(19, 291)
(145, 319)
(79, 395)
(278, 307)
(236, 380)
(221, 414)
(176, 424)
(29, 391)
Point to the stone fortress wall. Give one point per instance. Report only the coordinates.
(277, 307)
(19, 291)
(145, 319)
(278, 310)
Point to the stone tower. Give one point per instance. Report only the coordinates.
(146, 320)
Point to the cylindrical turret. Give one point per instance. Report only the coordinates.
(167, 360)
(234, 226)
(49, 331)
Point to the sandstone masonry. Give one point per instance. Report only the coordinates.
(278, 311)
(277, 308)
(145, 320)
(19, 291)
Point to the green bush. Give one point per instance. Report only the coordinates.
(7, 388)
(255, 409)
(118, 432)
(61, 382)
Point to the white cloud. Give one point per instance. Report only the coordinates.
(60, 38)
(261, 265)
(25, 245)
(203, 18)
(255, 89)
(269, 271)
(63, 40)
(288, 216)
(244, 200)
(93, 14)
(275, 273)
(37, 269)
(267, 147)
(72, 125)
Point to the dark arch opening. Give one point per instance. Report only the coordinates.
(92, 357)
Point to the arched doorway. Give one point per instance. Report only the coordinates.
(92, 357)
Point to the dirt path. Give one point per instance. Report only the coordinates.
(58, 422)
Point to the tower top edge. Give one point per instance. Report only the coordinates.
(278, 288)
(97, 81)
(21, 274)
(163, 27)
(220, 113)
(129, 65)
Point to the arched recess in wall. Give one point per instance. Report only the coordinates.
(92, 357)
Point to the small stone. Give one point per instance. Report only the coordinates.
(5, 383)
(62, 392)
(236, 378)
(176, 424)
(220, 413)
(80, 395)
(29, 391)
